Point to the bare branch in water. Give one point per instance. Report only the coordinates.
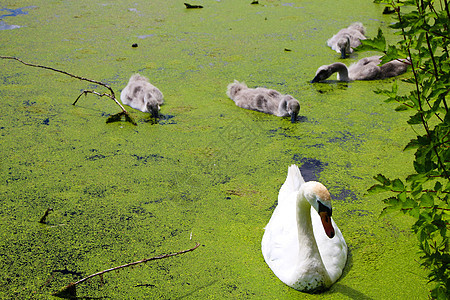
(70, 291)
(111, 95)
(85, 92)
(44, 217)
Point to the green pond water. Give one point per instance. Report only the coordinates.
(209, 172)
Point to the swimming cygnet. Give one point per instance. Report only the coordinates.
(348, 38)
(140, 94)
(264, 100)
(365, 69)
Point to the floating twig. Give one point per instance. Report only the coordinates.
(100, 95)
(111, 95)
(44, 217)
(70, 291)
(192, 6)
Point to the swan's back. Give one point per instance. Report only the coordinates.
(139, 92)
(259, 99)
(369, 69)
(279, 244)
(365, 69)
(355, 33)
(394, 68)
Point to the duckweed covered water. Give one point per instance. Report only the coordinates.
(209, 170)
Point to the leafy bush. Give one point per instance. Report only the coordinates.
(424, 195)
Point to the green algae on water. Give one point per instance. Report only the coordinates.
(212, 170)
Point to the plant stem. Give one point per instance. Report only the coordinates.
(70, 289)
(60, 71)
(111, 95)
(137, 262)
(419, 99)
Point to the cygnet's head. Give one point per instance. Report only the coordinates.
(152, 105)
(292, 107)
(323, 72)
(234, 88)
(318, 196)
(344, 45)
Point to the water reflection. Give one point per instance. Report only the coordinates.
(8, 12)
(4, 26)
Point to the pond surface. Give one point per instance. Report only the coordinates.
(209, 171)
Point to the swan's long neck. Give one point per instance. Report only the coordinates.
(307, 242)
(342, 71)
(310, 267)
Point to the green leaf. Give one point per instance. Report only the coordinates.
(377, 189)
(381, 178)
(408, 204)
(413, 144)
(387, 210)
(415, 119)
(402, 197)
(415, 212)
(427, 200)
(378, 43)
(438, 186)
(402, 107)
(397, 185)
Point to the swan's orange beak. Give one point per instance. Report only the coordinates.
(326, 223)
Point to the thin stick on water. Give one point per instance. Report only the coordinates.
(44, 217)
(69, 291)
(85, 92)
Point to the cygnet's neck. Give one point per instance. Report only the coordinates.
(282, 108)
(342, 71)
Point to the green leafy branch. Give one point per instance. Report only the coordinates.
(424, 194)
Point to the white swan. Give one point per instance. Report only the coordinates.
(348, 38)
(140, 94)
(264, 100)
(365, 69)
(301, 243)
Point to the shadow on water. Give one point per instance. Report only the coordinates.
(345, 290)
(162, 120)
(301, 119)
(310, 168)
(188, 295)
(344, 194)
(352, 293)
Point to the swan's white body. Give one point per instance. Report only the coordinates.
(264, 100)
(295, 245)
(140, 94)
(367, 68)
(348, 38)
